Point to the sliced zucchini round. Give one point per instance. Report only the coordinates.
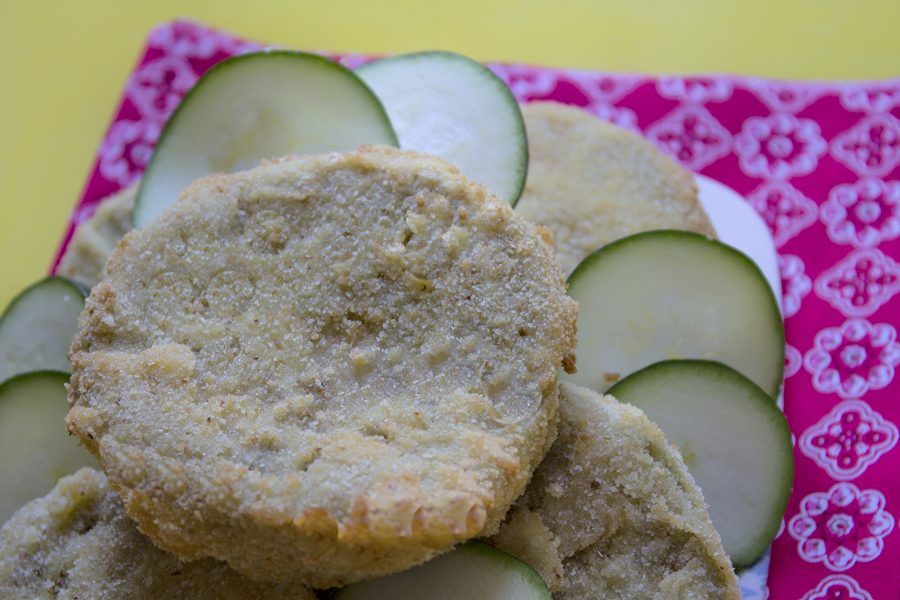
(255, 106)
(474, 571)
(669, 294)
(36, 328)
(734, 440)
(453, 107)
(35, 447)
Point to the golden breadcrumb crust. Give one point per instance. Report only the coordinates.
(626, 518)
(591, 183)
(325, 368)
(96, 238)
(525, 535)
(76, 543)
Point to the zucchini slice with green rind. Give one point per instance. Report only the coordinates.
(734, 439)
(35, 447)
(473, 570)
(37, 327)
(667, 294)
(453, 107)
(256, 106)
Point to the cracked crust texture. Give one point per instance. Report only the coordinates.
(591, 183)
(612, 511)
(96, 238)
(76, 543)
(325, 368)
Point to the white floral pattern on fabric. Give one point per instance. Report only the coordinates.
(524, 82)
(841, 527)
(837, 587)
(601, 88)
(869, 98)
(619, 116)
(694, 90)
(782, 96)
(794, 283)
(860, 283)
(692, 136)
(854, 358)
(127, 149)
(779, 146)
(84, 212)
(871, 148)
(156, 89)
(849, 439)
(785, 210)
(793, 360)
(189, 40)
(864, 213)
(185, 39)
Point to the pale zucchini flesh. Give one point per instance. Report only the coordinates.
(34, 444)
(37, 327)
(474, 571)
(453, 107)
(662, 295)
(257, 106)
(734, 440)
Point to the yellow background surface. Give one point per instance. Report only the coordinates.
(63, 65)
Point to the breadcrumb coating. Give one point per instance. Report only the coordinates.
(326, 368)
(96, 238)
(525, 535)
(76, 543)
(626, 518)
(592, 183)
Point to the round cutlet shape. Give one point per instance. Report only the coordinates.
(76, 542)
(325, 368)
(612, 511)
(591, 183)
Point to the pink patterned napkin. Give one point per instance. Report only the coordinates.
(821, 164)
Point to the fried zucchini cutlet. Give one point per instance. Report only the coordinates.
(96, 238)
(591, 183)
(76, 542)
(612, 512)
(325, 368)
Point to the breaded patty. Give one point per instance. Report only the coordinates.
(76, 543)
(96, 238)
(325, 368)
(591, 183)
(612, 512)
